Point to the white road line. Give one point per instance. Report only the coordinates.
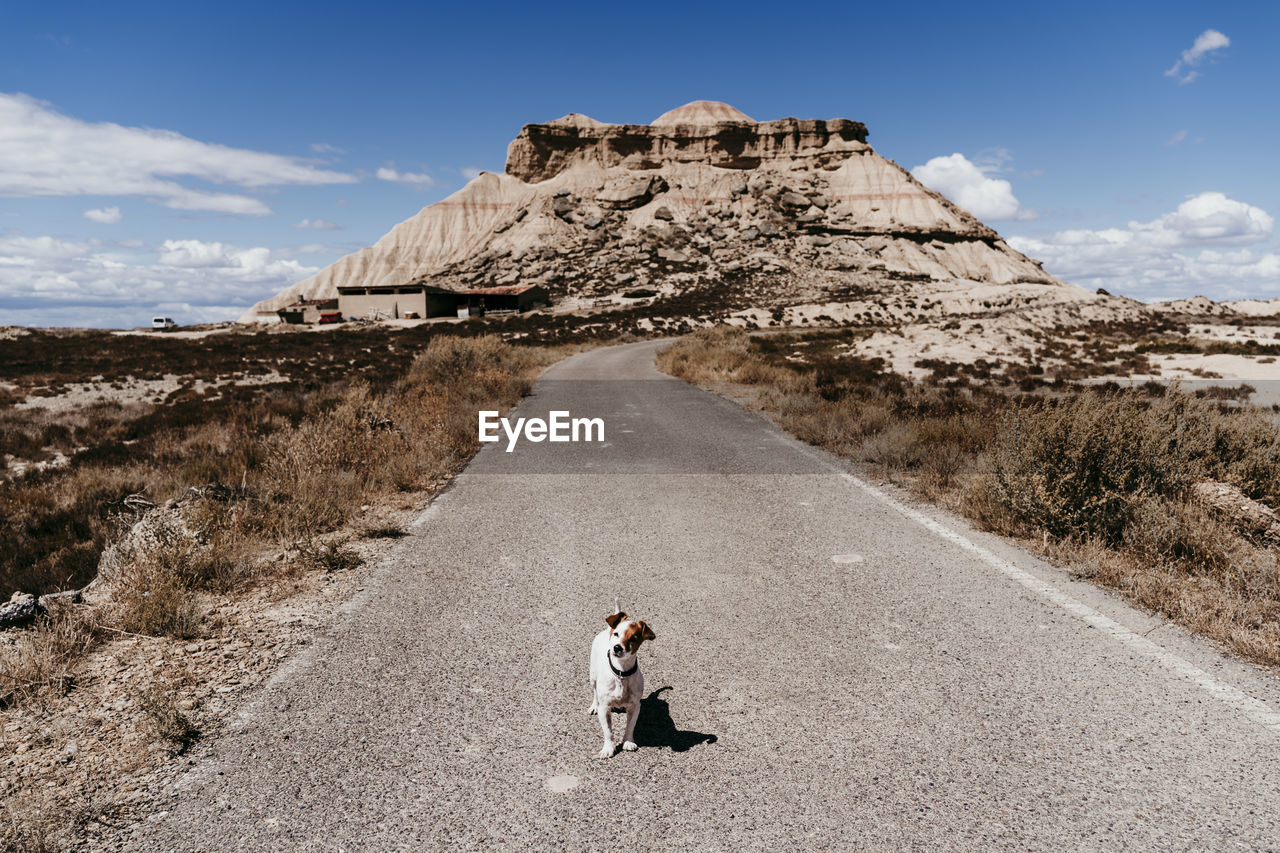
(1257, 710)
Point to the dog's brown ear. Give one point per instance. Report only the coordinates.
(614, 618)
(646, 632)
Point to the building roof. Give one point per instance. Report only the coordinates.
(311, 303)
(417, 285)
(506, 290)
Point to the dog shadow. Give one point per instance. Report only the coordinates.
(656, 728)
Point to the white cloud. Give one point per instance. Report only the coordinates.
(1212, 218)
(471, 172)
(27, 251)
(1175, 139)
(317, 225)
(1206, 43)
(45, 153)
(387, 173)
(971, 187)
(216, 202)
(105, 215)
(326, 148)
(47, 281)
(1195, 249)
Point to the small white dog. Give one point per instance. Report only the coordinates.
(616, 678)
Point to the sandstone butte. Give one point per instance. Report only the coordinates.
(791, 221)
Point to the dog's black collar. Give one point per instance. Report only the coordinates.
(620, 673)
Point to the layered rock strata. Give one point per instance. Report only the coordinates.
(753, 214)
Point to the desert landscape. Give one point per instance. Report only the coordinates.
(184, 511)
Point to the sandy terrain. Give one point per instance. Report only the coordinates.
(82, 394)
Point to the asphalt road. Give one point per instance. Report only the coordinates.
(833, 669)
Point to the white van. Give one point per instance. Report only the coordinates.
(162, 323)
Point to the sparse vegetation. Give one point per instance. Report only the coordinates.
(284, 466)
(383, 531)
(1099, 478)
(290, 461)
(327, 556)
(189, 503)
(41, 662)
(165, 719)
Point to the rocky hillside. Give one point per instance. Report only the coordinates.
(747, 217)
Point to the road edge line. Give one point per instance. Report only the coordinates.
(1230, 695)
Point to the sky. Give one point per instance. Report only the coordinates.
(191, 159)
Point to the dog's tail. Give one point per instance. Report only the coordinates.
(617, 604)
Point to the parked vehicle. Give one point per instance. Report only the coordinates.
(331, 317)
(162, 323)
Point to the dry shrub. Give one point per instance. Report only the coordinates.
(707, 355)
(1079, 467)
(896, 448)
(316, 475)
(154, 584)
(31, 822)
(459, 362)
(756, 372)
(472, 369)
(383, 531)
(164, 720)
(983, 501)
(223, 560)
(1163, 532)
(837, 426)
(54, 524)
(942, 469)
(1108, 475)
(42, 657)
(327, 556)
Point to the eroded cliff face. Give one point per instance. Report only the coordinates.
(707, 208)
(542, 151)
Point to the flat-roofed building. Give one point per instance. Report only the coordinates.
(401, 301)
(512, 297)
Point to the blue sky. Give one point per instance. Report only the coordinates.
(190, 159)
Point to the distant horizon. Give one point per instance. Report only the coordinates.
(151, 164)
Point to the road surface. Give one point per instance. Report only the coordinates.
(834, 668)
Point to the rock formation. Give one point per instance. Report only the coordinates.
(747, 216)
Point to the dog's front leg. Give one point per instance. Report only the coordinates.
(633, 714)
(602, 711)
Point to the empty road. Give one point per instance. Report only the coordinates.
(833, 669)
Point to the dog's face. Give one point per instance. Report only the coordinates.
(626, 635)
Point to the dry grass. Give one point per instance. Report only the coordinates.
(1099, 478)
(30, 823)
(327, 556)
(165, 721)
(348, 395)
(1091, 465)
(282, 473)
(191, 502)
(41, 662)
